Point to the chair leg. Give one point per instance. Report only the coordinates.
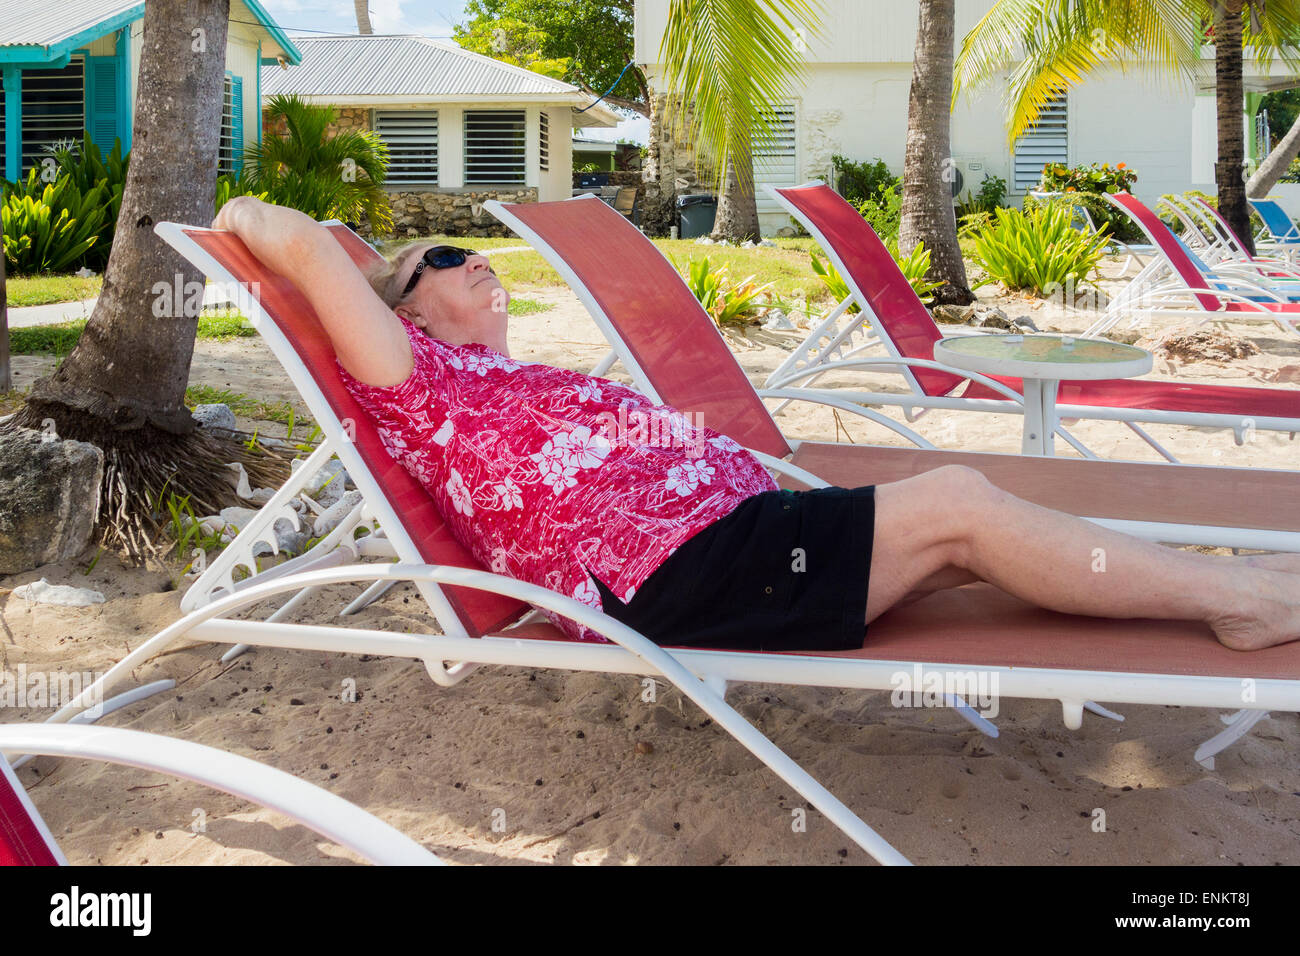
(1239, 724)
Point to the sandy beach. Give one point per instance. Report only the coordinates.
(522, 766)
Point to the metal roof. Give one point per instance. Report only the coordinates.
(46, 24)
(378, 66)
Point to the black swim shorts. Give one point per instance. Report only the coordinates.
(786, 570)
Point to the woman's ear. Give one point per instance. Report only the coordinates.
(411, 315)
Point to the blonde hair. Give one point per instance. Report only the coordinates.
(389, 278)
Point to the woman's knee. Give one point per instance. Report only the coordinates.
(959, 484)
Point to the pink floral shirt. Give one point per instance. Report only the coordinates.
(545, 474)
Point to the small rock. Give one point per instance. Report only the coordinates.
(768, 244)
(216, 418)
(645, 747)
(778, 321)
(84, 273)
(950, 314)
(63, 595)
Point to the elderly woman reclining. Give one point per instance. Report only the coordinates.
(583, 486)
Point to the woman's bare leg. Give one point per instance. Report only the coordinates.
(954, 518)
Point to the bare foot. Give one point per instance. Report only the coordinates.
(1268, 614)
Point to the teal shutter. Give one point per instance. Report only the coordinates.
(103, 118)
(237, 121)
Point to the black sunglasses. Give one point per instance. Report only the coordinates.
(439, 257)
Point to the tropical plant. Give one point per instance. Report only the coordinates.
(1088, 185)
(927, 215)
(1058, 42)
(915, 266)
(728, 302)
(1037, 248)
(327, 176)
(884, 211)
(991, 194)
(51, 227)
(860, 181)
(730, 60)
(87, 166)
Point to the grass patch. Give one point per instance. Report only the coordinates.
(48, 289)
(246, 406)
(529, 307)
(60, 338)
(11, 401)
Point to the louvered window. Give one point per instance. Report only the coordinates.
(54, 110)
(494, 147)
(1044, 142)
(230, 155)
(412, 139)
(544, 141)
(775, 160)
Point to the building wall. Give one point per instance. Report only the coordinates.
(853, 100)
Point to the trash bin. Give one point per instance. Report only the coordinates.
(697, 214)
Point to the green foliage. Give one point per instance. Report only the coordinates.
(858, 182)
(1037, 249)
(87, 166)
(990, 196)
(584, 42)
(49, 227)
(336, 176)
(1087, 185)
(1292, 174)
(914, 267)
(884, 211)
(726, 301)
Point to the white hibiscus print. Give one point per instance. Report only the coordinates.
(460, 497)
(686, 477)
(556, 476)
(444, 433)
(723, 443)
(587, 391)
(482, 363)
(581, 448)
(508, 494)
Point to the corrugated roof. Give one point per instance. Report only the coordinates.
(45, 23)
(347, 66)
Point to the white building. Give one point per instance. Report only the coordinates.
(853, 101)
(460, 127)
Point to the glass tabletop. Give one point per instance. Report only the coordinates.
(1060, 349)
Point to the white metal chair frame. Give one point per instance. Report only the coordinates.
(331, 816)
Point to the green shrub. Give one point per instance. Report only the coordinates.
(884, 211)
(87, 166)
(990, 196)
(914, 267)
(51, 227)
(1088, 185)
(1036, 249)
(726, 301)
(858, 182)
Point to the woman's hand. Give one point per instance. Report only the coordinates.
(233, 210)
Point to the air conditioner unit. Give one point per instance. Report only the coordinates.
(965, 173)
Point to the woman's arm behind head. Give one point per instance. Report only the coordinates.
(367, 336)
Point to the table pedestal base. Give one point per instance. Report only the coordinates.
(1040, 417)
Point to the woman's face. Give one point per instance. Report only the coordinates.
(457, 304)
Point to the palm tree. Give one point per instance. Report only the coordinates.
(326, 176)
(1064, 40)
(362, 9)
(6, 375)
(928, 215)
(123, 385)
(730, 62)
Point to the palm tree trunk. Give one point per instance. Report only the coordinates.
(6, 374)
(927, 214)
(737, 218)
(1229, 96)
(1275, 164)
(132, 363)
(362, 10)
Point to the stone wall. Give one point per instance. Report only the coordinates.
(452, 212)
